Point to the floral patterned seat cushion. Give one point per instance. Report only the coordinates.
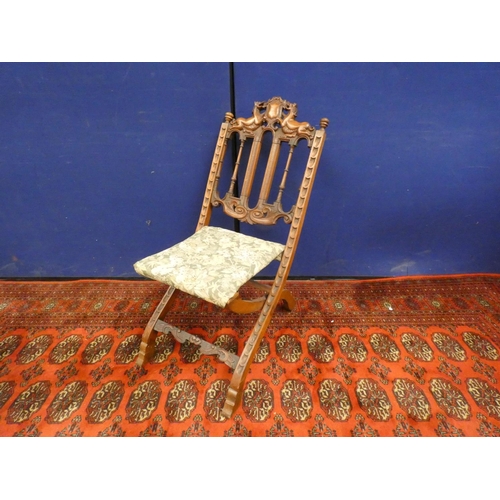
(212, 264)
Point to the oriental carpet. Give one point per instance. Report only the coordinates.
(414, 356)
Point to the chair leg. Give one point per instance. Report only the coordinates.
(149, 336)
(242, 306)
(235, 389)
(288, 299)
(286, 296)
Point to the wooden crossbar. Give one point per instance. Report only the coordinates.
(181, 336)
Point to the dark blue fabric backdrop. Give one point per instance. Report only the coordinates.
(102, 164)
(410, 177)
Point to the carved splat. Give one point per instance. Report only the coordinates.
(276, 117)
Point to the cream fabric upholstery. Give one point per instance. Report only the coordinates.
(212, 264)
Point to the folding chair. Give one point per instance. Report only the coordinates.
(214, 263)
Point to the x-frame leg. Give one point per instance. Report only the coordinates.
(149, 336)
(240, 364)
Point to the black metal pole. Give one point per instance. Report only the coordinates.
(234, 147)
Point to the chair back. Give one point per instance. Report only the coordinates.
(277, 118)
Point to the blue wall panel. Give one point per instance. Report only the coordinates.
(100, 163)
(409, 181)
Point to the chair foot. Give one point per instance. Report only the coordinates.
(233, 400)
(146, 349)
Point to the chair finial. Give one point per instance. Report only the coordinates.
(229, 116)
(324, 122)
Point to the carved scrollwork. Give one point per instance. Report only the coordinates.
(181, 336)
(264, 213)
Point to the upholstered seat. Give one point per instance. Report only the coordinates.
(212, 264)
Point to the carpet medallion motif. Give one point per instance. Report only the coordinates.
(413, 357)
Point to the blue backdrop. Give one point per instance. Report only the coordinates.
(103, 164)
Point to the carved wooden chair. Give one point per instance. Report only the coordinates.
(214, 263)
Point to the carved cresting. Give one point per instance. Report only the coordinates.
(277, 117)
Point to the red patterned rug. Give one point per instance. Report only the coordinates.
(417, 356)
